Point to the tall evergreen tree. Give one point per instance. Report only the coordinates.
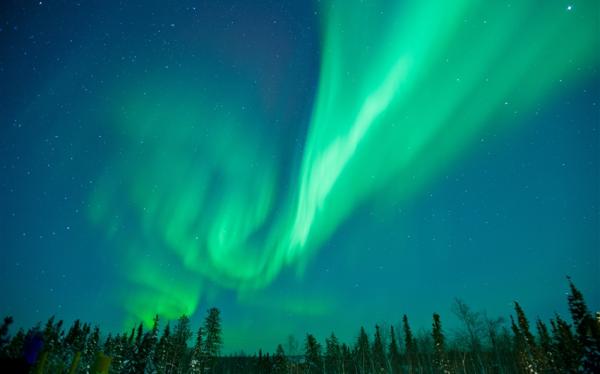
(566, 351)
(312, 355)
(149, 344)
(520, 347)
(363, 352)
(14, 349)
(163, 350)
(213, 340)
(179, 354)
(587, 329)
(90, 350)
(4, 332)
(333, 355)
(347, 362)
(440, 362)
(197, 361)
(523, 324)
(544, 344)
(280, 362)
(144, 347)
(394, 353)
(379, 359)
(410, 345)
(51, 355)
(529, 352)
(119, 355)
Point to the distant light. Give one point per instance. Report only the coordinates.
(569, 7)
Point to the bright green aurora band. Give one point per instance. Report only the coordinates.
(402, 89)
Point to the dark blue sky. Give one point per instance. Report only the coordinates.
(205, 112)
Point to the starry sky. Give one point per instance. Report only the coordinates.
(304, 166)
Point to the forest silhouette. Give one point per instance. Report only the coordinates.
(481, 345)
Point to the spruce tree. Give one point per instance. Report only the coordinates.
(90, 350)
(163, 350)
(312, 355)
(586, 328)
(347, 362)
(118, 346)
(14, 349)
(520, 347)
(280, 362)
(524, 326)
(333, 355)
(51, 355)
(363, 352)
(179, 353)
(530, 356)
(565, 347)
(149, 344)
(394, 353)
(144, 346)
(440, 361)
(409, 344)
(4, 331)
(197, 361)
(544, 343)
(213, 340)
(379, 359)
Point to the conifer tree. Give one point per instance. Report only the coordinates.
(379, 359)
(14, 349)
(149, 344)
(363, 352)
(440, 361)
(565, 347)
(197, 354)
(4, 332)
(259, 361)
(544, 343)
(347, 362)
(90, 350)
(51, 354)
(394, 353)
(333, 355)
(523, 324)
(312, 355)
(533, 360)
(131, 337)
(266, 364)
(74, 336)
(586, 328)
(163, 350)
(117, 350)
(409, 344)
(108, 345)
(213, 340)
(519, 346)
(280, 362)
(144, 345)
(179, 351)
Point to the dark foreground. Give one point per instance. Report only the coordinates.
(483, 345)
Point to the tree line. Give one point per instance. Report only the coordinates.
(482, 345)
(52, 349)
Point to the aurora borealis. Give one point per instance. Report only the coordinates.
(303, 166)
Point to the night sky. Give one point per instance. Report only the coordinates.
(303, 166)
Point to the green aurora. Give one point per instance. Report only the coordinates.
(403, 89)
